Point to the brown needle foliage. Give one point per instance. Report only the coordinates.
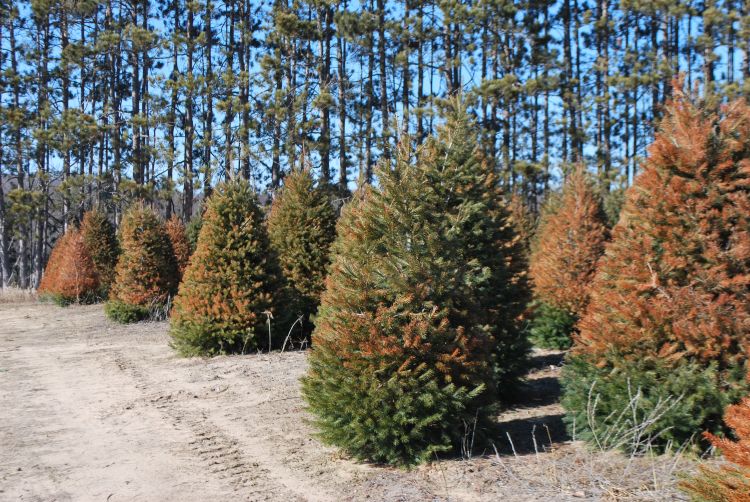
(70, 276)
(570, 241)
(729, 483)
(180, 245)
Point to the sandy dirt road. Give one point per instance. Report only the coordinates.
(91, 410)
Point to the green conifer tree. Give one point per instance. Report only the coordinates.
(146, 273)
(302, 227)
(233, 283)
(418, 324)
(101, 240)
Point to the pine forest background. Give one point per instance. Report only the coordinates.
(106, 101)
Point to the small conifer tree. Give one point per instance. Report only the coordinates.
(70, 276)
(231, 287)
(101, 240)
(302, 226)
(146, 272)
(729, 483)
(569, 242)
(419, 321)
(669, 314)
(180, 245)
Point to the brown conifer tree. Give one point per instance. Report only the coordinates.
(180, 245)
(569, 242)
(729, 483)
(669, 311)
(70, 276)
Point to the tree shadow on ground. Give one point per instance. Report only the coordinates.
(535, 434)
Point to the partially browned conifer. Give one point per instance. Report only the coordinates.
(70, 276)
(146, 273)
(569, 242)
(180, 245)
(729, 483)
(670, 295)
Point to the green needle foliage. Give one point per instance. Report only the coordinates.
(232, 283)
(101, 240)
(418, 325)
(302, 227)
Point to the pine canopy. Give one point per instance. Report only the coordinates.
(233, 282)
(418, 324)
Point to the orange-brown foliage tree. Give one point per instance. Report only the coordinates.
(70, 276)
(729, 483)
(569, 242)
(180, 245)
(146, 273)
(671, 292)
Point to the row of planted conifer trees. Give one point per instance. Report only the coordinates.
(423, 317)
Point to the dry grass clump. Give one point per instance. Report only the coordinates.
(16, 295)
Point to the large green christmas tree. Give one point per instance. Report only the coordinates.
(233, 283)
(419, 322)
(302, 227)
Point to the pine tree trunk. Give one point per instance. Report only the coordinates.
(383, 83)
(341, 56)
(208, 125)
(187, 187)
(4, 262)
(135, 96)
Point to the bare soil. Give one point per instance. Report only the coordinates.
(91, 410)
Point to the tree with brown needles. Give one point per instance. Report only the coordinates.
(570, 240)
(146, 273)
(180, 245)
(728, 483)
(70, 276)
(669, 315)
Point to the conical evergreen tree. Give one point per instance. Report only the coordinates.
(180, 245)
(729, 483)
(669, 310)
(146, 273)
(418, 323)
(233, 281)
(70, 276)
(302, 227)
(569, 242)
(101, 240)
